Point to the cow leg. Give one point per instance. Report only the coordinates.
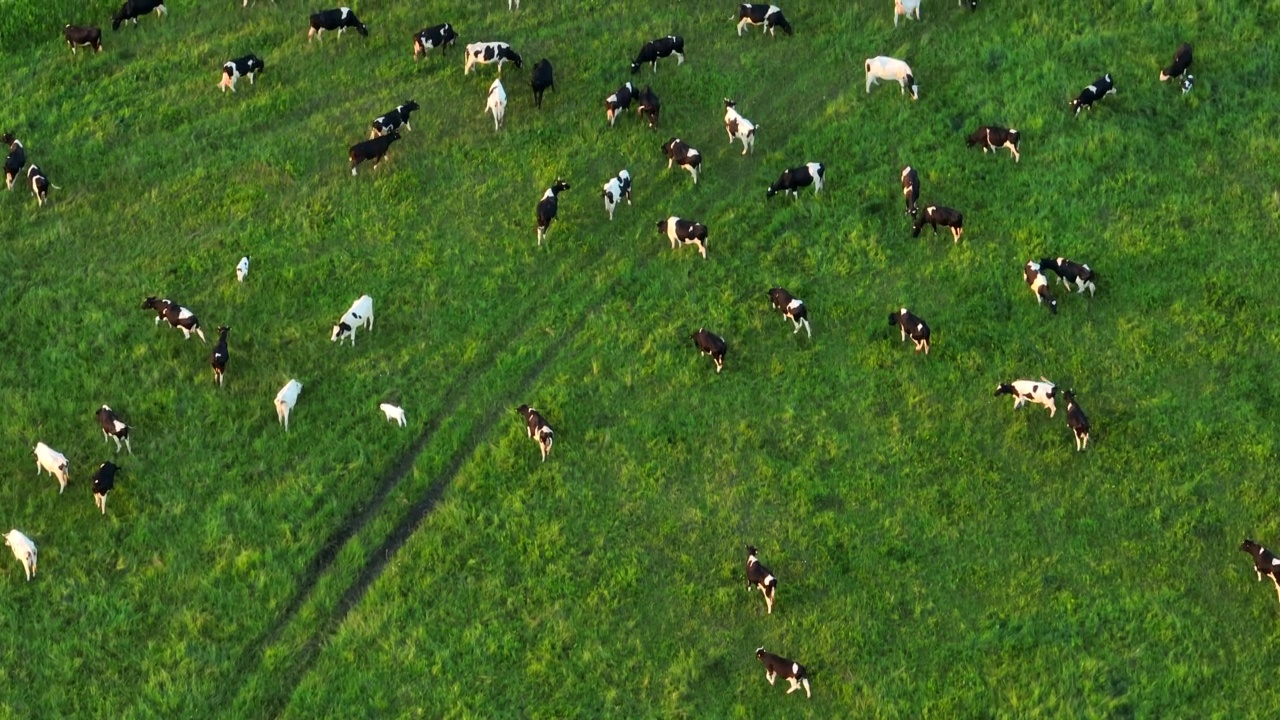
(127, 445)
(741, 24)
(186, 334)
(770, 676)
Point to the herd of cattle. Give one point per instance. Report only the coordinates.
(679, 231)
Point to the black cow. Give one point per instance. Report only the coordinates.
(798, 177)
(910, 188)
(1265, 562)
(113, 427)
(770, 16)
(543, 78)
(77, 35)
(548, 206)
(1039, 285)
(912, 326)
(619, 101)
(789, 670)
(936, 215)
(134, 9)
(680, 153)
(375, 150)
(792, 308)
(708, 343)
(684, 232)
(1100, 88)
(538, 429)
(15, 160)
(1181, 61)
(994, 137)
(648, 105)
(660, 48)
(1071, 272)
(336, 19)
(1077, 420)
(104, 479)
(761, 577)
(394, 119)
(40, 184)
(246, 66)
(436, 36)
(220, 355)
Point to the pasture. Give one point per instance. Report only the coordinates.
(938, 554)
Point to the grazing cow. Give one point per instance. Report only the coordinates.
(905, 8)
(791, 671)
(1071, 272)
(793, 309)
(617, 190)
(242, 269)
(23, 549)
(359, 315)
(648, 105)
(218, 361)
(337, 19)
(285, 400)
(134, 9)
(1100, 88)
(708, 343)
(485, 53)
(14, 161)
(40, 184)
(1077, 420)
(1181, 61)
(375, 149)
(113, 427)
(911, 325)
(436, 36)
(548, 206)
(1039, 285)
(619, 101)
(496, 103)
(176, 315)
(994, 137)
(104, 479)
(77, 35)
(538, 429)
(790, 181)
(936, 215)
(680, 153)
(52, 462)
(1041, 392)
(887, 68)
(910, 189)
(738, 127)
(1265, 562)
(761, 577)
(394, 119)
(654, 50)
(249, 65)
(684, 232)
(543, 78)
(393, 412)
(770, 16)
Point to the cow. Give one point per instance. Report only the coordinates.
(708, 343)
(680, 153)
(1100, 88)
(336, 19)
(887, 68)
(510, 3)
(548, 206)
(176, 315)
(543, 78)
(910, 189)
(52, 462)
(249, 65)
(23, 549)
(792, 308)
(113, 427)
(905, 8)
(1071, 272)
(770, 16)
(654, 50)
(359, 315)
(792, 672)
(375, 150)
(913, 326)
(485, 53)
(242, 269)
(994, 137)
(394, 119)
(617, 190)
(1076, 420)
(14, 161)
(1039, 285)
(496, 103)
(790, 181)
(436, 36)
(134, 9)
(759, 576)
(40, 184)
(538, 429)
(104, 479)
(936, 215)
(684, 232)
(1041, 392)
(285, 400)
(393, 413)
(648, 105)
(619, 101)
(1265, 562)
(1187, 82)
(973, 4)
(738, 127)
(218, 361)
(1181, 61)
(77, 35)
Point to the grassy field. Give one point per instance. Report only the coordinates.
(939, 555)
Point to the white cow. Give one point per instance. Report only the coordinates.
(905, 7)
(360, 314)
(242, 268)
(393, 413)
(497, 103)
(53, 462)
(285, 400)
(24, 550)
(1040, 392)
(887, 68)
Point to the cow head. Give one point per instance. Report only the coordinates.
(515, 58)
(150, 303)
(559, 186)
(915, 89)
(120, 16)
(364, 31)
(635, 67)
(973, 4)
(668, 147)
(1250, 546)
(1187, 82)
(751, 550)
(729, 103)
(781, 23)
(662, 228)
(340, 331)
(447, 35)
(524, 411)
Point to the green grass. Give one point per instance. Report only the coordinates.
(939, 555)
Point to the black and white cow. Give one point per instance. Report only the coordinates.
(104, 480)
(680, 153)
(708, 343)
(792, 308)
(246, 66)
(40, 184)
(176, 315)
(14, 161)
(648, 105)
(910, 189)
(973, 4)
(936, 215)
(1077, 420)
(394, 119)
(759, 576)
(134, 9)
(913, 326)
(113, 427)
(738, 127)
(1071, 272)
(375, 150)
(538, 429)
(1100, 88)
(770, 16)
(799, 177)
(1265, 562)
(619, 101)
(1181, 61)
(336, 19)
(1040, 392)
(657, 49)
(1039, 285)
(776, 666)
(436, 36)
(548, 206)
(359, 315)
(994, 137)
(218, 361)
(77, 35)
(617, 190)
(486, 53)
(543, 78)
(684, 232)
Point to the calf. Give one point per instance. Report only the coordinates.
(496, 103)
(913, 326)
(994, 137)
(761, 577)
(393, 119)
(14, 161)
(619, 101)
(792, 672)
(1040, 392)
(648, 105)
(77, 35)
(375, 149)
(887, 68)
(936, 215)
(1071, 272)
(249, 65)
(910, 188)
(770, 16)
(176, 315)
(359, 315)
(336, 19)
(104, 479)
(113, 427)
(134, 9)
(615, 191)
(654, 50)
(792, 308)
(798, 177)
(543, 78)
(1039, 285)
(905, 8)
(436, 36)
(1100, 88)
(393, 413)
(52, 462)
(680, 153)
(1077, 420)
(485, 53)
(684, 232)
(1265, 562)
(538, 429)
(1181, 61)
(242, 269)
(738, 127)
(40, 184)
(285, 400)
(548, 206)
(218, 361)
(708, 343)
(23, 549)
